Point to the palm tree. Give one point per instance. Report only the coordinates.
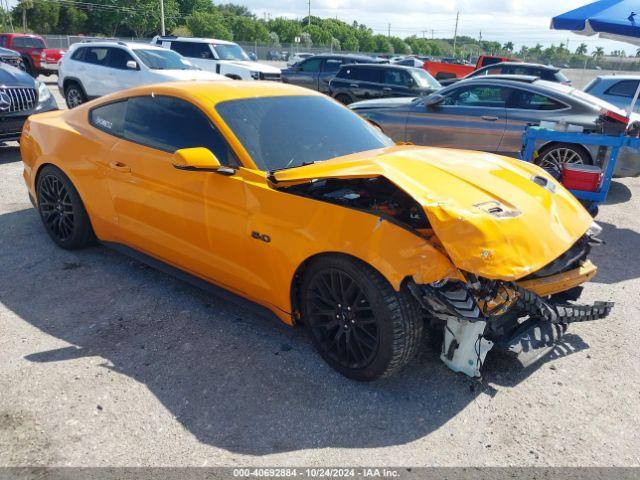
(598, 52)
(508, 47)
(582, 49)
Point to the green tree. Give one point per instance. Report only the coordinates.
(582, 49)
(41, 16)
(209, 25)
(382, 44)
(72, 20)
(508, 47)
(286, 29)
(247, 29)
(598, 53)
(399, 46)
(350, 43)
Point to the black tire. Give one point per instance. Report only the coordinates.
(358, 323)
(62, 211)
(343, 98)
(29, 68)
(74, 95)
(553, 155)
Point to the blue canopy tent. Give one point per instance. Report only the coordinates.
(612, 19)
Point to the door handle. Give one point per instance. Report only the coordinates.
(354, 85)
(489, 118)
(386, 89)
(120, 167)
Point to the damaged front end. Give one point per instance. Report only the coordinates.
(524, 319)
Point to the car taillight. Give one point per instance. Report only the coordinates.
(43, 55)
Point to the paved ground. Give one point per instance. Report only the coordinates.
(104, 361)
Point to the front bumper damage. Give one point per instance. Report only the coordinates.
(523, 321)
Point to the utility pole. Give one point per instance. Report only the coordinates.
(432, 37)
(162, 31)
(309, 15)
(423, 33)
(455, 34)
(388, 30)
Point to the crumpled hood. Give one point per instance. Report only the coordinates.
(489, 214)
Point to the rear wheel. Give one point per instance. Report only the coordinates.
(74, 95)
(359, 324)
(343, 98)
(551, 157)
(62, 211)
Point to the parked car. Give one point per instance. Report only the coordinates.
(38, 58)
(94, 69)
(275, 55)
(615, 89)
(298, 57)
(368, 81)
(287, 198)
(544, 72)
(454, 68)
(12, 58)
(20, 96)
(316, 72)
(491, 113)
(219, 56)
(411, 62)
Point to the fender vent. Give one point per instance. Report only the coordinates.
(496, 209)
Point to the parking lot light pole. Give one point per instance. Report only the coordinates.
(162, 32)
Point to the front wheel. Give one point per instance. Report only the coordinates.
(62, 211)
(358, 323)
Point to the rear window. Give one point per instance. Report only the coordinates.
(625, 88)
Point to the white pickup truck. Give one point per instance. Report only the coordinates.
(219, 56)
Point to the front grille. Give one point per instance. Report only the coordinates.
(17, 99)
(13, 61)
(274, 77)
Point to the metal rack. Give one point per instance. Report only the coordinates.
(615, 143)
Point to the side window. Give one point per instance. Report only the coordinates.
(3, 41)
(346, 72)
(625, 88)
(109, 118)
(169, 124)
(311, 65)
(19, 42)
(79, 54)
(479, 96)
(364, 74)
(96, 55)
(193, 49)
(332, 65)
(118, 58)
(524, 100)
(396, 77)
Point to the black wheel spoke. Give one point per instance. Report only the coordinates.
(56, 207)
(342, 319)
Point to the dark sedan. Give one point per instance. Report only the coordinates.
(491, 113)
(369, 81)
(316, 72)
(20, 96)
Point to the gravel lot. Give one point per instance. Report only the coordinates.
(105, 361)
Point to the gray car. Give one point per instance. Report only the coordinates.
(20, 96)
(490, 114)
(615, 89)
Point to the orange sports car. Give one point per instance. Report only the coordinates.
(287, 198)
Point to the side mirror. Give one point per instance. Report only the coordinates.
(411, 83)
(433, 100)
(131, 65)
(199, 159)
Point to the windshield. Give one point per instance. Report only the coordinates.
(163, 60)
(424, 79)
(290, 131)
(230, 52)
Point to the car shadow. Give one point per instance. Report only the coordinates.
(617, 259)
(234, 379)
(9, 153)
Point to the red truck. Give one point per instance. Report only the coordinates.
(38, 58)
(444, 70)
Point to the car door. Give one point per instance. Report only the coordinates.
(365, 82)
(470, 117)
(306, 73)
(194, 220)
(397, 83)
(199, 53)
(95, 71)
(525, 108)
(330, 67)
(119, 76)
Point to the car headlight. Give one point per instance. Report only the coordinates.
(255, 75)
(43, 93)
